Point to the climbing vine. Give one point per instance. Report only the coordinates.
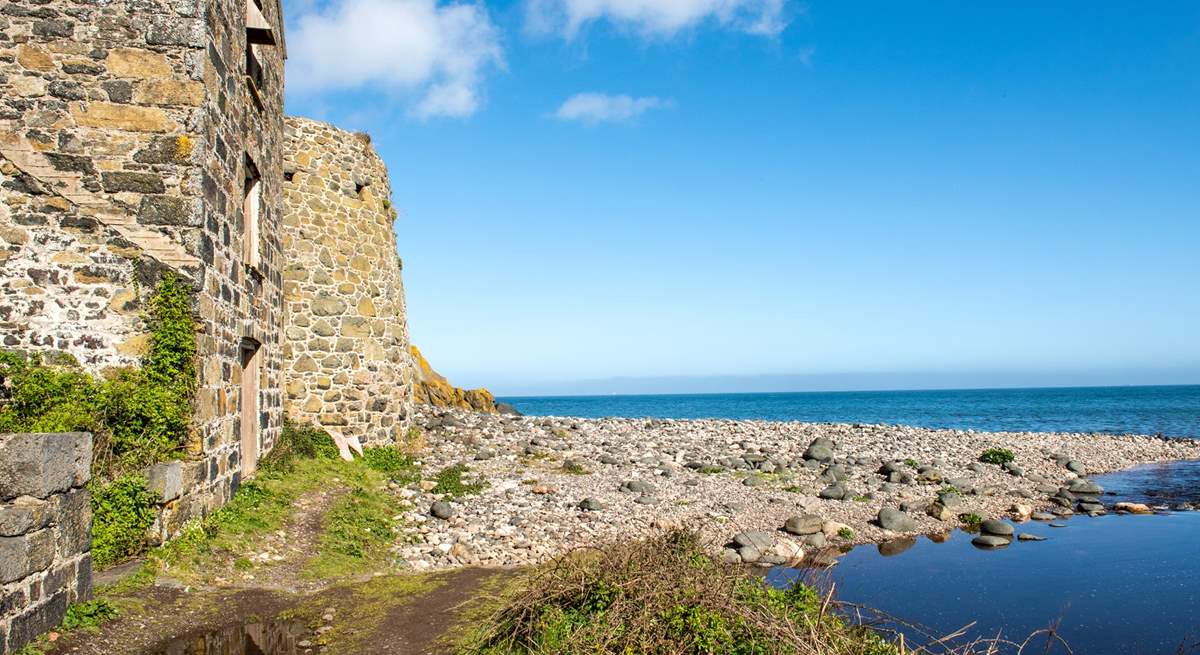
(137, 416)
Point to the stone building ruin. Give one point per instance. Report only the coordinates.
(346, 351)
(144, 136)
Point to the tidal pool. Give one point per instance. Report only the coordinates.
(1114, 584)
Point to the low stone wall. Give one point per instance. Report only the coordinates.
(45, 532)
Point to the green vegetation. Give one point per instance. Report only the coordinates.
(450, 482)
(137, 416)
(664, 595)
(794, 489)
(353, 530)
(911, 462)
(91, 614)
(845, 533)
(709, 470)
(862, 499)
(970, 520)
(122, 512)
(998, 456)
(574, 468)
(950, 489)
(356, 531)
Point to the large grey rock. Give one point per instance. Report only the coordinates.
(442, 510)
(990, 541)
(833, 492)
(758, 538)
(1085, 486)
(996, 527)
(638, 487)
(591, 505)
(895, 520)
(803, 525)
(821, 449)
(950, 499)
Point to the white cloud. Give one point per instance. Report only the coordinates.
(656, 18)
(439, 52)
(594, 108)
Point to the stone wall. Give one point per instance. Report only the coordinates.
(347, 338)
(45, 532)
(127, 130)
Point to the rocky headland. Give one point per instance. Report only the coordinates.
(763, 492)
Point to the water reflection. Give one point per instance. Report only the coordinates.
(258, 638)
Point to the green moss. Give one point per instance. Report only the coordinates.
(450, 482)
(122, 511)
(574, 468)
(845, 533)
(997, 456)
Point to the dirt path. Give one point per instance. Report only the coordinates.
(430, 624)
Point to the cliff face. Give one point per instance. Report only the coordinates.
(430, 388)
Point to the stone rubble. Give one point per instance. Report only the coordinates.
(555, 484)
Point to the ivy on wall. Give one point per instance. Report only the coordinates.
(138, 416)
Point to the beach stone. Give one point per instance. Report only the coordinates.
(895, 520)
(1026, 536)
(730, 556)
(816, 540)
(895, 546)
(1057, 524)
(833, 492)
(996, 527)
(1132, 508)
(820, 449)
(591, 505)
(638, 487)
(914, 506)
(940, 512)
(990, 541)
(753, 481)
(758, 538)
(1085, 486)
(442, 510)
(749, 554)
(1076, 468)
(950, 499)
(804, 525)
(789, 550)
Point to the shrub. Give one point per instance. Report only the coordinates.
(998, 456)
(122, 511)
(845, 533)
(137, 416)
(664, 594)
(970, 520)
(298, 441)
(393, 463)
(91, 614)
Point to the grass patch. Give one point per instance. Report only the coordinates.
(998, 456)
(353, 527)
(450, 482)
(356, 532)
(912, 463)
(794, 489)
(970, 520)
(845, 533)
(664, 595)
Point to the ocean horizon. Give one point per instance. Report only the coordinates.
(1168, 410)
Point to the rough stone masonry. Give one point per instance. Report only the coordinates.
(346, 351)
(45, 532)
(144, 136)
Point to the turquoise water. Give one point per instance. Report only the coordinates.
(1172, 411)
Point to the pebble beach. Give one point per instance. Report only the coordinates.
(763, 492)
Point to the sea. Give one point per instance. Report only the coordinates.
(1172, 411)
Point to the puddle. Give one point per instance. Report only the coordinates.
(1112, 585)
(257, 638)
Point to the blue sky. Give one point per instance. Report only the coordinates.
(660, 188)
